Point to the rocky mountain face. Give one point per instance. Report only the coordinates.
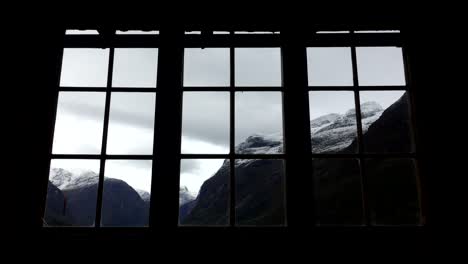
(334, 132)
(259, 183)
(72, 196)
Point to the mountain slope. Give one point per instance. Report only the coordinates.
(259, 183)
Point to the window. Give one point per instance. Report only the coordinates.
(213, 120)
(231, 171)
(101, 162)
(362, 144)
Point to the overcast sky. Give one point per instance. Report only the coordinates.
(205, 114)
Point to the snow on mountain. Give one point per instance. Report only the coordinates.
(65, 179)
(333, 132)
(185, 196)
(145, 196)
(330, 133)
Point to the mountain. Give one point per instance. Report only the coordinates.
(334, 132)
(145, 196)
(391, 183)
(72, 196)
(185, 196)
(259, 183)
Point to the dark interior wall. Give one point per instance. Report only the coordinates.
(44, 45)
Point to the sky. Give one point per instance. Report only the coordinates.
(205, 124)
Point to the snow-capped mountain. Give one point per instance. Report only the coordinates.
(185, 196)
(334, 132)
(330, 133)
(259, 183)
(260, 186)
(144, 195)
(65, 179)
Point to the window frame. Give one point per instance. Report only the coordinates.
(294, 91)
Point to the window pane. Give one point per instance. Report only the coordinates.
(206, 67)
(338, 196)
(126, 193)
(378, 31)
(256, 32)
(380, 66)
(258, 122)
(204, 192)
(137, 32)
(79, 123)
(135, 68)
(72, 193)
(258, 67)
(131, 123)
(393, 198)
(332, 32)
(260, 192)
(84, 67)
(329, 67)
(333, 122)
(205, 123)
(386, 123)
(81, 32)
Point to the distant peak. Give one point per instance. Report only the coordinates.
(369, 108)
(325, 119)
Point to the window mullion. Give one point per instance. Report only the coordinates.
(164, 207)
(104, 139)
(297, 144)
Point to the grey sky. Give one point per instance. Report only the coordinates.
(329, 66)
(380, 66)
(257, 67)
(130, 137)
(205, 114)
(136, 173)
(135, 67)
(84, 67)
(258, 113)
(325, 102)
(205, 117)
(206, 67)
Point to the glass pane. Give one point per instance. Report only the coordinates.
(258, 67)
(72, 193)
(329, 67)
(258, 122)
(338, 196)
(204, 192)
(332, 32)
(380, 66)
(84, 67)
(131, 123)
(206, 67)
(332, 122)
(393, 196)
(135, 68)
(137, 32)
(260, 199)
(256, 32)
(205, 123)
(386, 122)
(378, 31)
(126, 193)
(79, 123)
(81, 32)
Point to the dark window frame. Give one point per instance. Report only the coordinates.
(294, 88)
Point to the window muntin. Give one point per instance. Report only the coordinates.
(358, 87)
